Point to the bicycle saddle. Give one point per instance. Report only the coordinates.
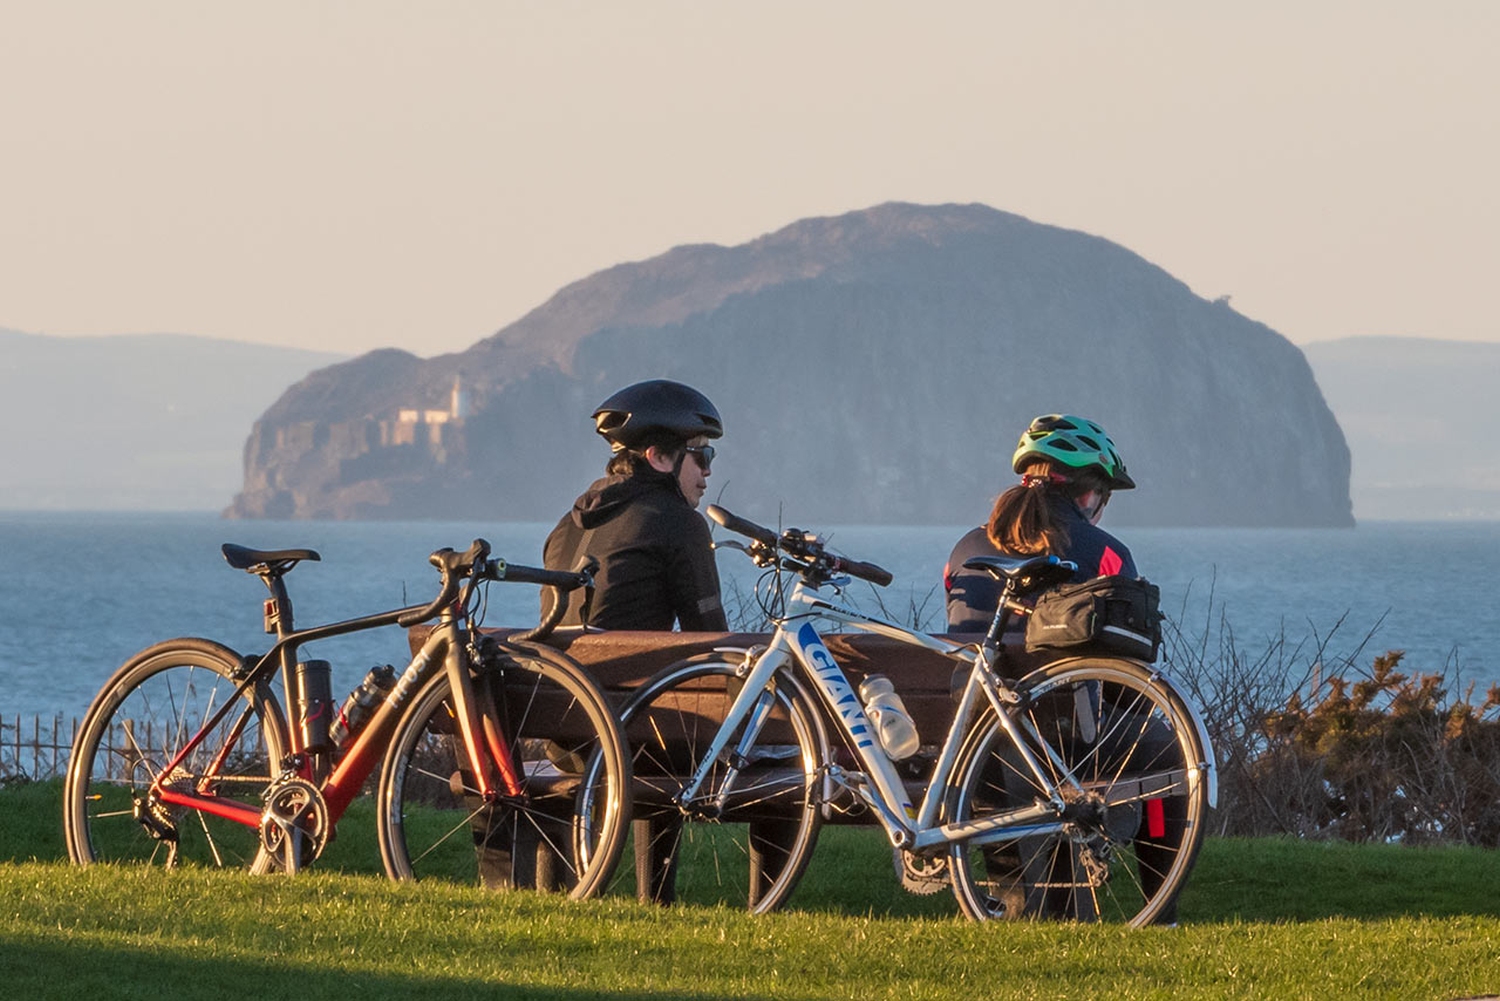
(248, 559)
(1023, 575)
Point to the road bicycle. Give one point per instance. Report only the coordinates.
(1078, 790)
(186, 756)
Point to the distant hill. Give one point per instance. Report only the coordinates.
(152, 421)
(871, 367)
(1420, 417)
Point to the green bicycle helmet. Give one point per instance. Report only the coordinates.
(1073, 442)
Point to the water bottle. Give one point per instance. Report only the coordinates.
(360, 705)
(893, 726)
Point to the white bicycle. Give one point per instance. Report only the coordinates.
(1077, 791)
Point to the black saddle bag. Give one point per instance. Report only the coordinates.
(1112, 614)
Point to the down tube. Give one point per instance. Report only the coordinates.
(843, 701)
(369, 747)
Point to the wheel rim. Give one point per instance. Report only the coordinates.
(139, 725)
(751, 853)
(1129, 832)
(434, 825)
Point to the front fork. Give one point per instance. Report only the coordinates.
(755, 673)
(488, 749)
(738, 757)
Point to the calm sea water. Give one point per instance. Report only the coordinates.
(82, 592)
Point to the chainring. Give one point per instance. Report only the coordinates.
(921, 874)
(294, 825)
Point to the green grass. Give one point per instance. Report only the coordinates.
(1261, 918)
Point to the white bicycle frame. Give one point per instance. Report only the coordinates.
(881, 788)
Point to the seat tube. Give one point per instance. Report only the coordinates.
(280, 622)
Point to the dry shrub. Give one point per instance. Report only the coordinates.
(1312, 745)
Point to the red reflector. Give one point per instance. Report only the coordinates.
(1156, 819)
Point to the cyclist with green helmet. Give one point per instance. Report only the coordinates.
(1069, 467)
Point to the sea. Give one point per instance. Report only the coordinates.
(82, 592)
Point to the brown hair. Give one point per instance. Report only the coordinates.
(1021, 521)
(627, 461)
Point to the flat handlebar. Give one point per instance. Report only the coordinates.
(800, 544)
(864, 571)
(741, 526)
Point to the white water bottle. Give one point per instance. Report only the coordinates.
(893, 726)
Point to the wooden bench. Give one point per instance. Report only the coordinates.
(621, 661)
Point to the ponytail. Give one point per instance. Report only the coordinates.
(1022, 522)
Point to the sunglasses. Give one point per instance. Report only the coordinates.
(702, 454)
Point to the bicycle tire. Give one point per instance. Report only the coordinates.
(568, 748)
(1131, 838)
(754, 853)
(142, 716)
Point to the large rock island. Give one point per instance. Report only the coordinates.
(874, 367)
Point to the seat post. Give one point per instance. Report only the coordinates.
(1002, 617)
(279, 620)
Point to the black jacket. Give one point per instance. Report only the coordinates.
(656, 561)
(974, 596)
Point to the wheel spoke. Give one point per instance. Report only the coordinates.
(149, 710)
(563, 738)
(1123, 741)
(745, 837)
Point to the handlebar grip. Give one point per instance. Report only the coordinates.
(865, 571)
(563, 580)
(735, 523)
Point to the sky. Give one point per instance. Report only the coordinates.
(356, 174)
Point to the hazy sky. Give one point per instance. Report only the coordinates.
(352, 175)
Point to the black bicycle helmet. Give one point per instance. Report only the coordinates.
(632, 416)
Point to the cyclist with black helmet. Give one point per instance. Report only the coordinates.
(640, 521)
(1069, 467)
(656, 562)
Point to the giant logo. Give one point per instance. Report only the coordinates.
(835, 686)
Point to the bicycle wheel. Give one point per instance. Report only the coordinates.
(1133, 822)
(750, 851)
(564, 833)
(142, 717)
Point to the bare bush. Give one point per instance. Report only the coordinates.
(1314, 745)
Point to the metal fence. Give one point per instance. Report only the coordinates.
(35, 749)
(38, 749)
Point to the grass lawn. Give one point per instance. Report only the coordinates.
(1261, 918)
